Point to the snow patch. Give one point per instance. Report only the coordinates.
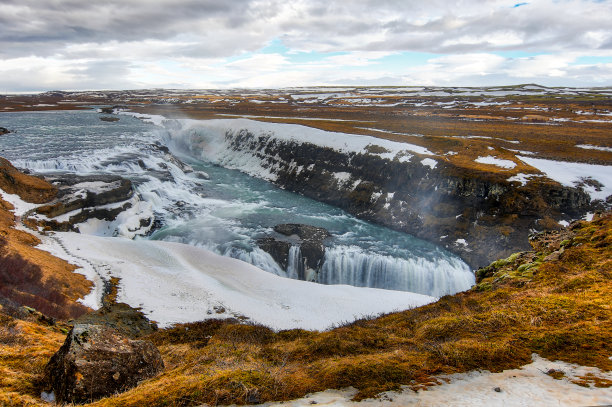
(342, 177)
(522, 178)
(591, 147)
(431, 163)
(21, 206)
(572, 174)
(527, 386)
(496, 161)
(461, 242)
(155, 119)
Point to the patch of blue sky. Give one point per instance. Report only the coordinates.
(276, 46)
(517, 5)
(591, 60)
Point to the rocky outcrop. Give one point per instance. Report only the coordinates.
(308, 239)
(478, 215)
(29, 188)
(80, 198)
(97, 361)
(4, 130)
(109, 119)
(79, 192)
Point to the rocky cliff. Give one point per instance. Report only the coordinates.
(479, 215)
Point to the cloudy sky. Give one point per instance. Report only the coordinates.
(129, 44)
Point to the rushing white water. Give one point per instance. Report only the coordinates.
(222, 209)
(353, 266)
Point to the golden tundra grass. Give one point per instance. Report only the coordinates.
(559, 309)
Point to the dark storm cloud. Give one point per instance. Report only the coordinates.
(45, 26)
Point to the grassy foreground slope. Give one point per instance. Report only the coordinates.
(30, 276)
(554, 301)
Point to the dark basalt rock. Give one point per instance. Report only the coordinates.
(308, 238)
(278, 249)
(86, 193)
(111, 110)
(97, 361)
(304, 232)
(445, 205)
(109, 119)
(102, 197)
(78, 192)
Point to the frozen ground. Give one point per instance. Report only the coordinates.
(176, 283)
(571, 174)
(529, 386)
(496, 161)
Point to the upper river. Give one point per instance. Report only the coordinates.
(228, 211)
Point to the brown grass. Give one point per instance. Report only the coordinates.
(521, 305)
(29, 275)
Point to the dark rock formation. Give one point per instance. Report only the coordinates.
(308, 238)
(111, 110)
(109, 119)
(278, 249)
(479, 215)
(89, 196)
(96, 361)
(4, 130)
(78, 192)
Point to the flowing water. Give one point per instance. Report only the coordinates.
(230, 210)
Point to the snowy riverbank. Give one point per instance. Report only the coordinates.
(175, 283)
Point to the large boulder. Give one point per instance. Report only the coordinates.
(4, 130)
(97, 361)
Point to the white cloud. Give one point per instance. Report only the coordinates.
(192, 43)
(357, 58)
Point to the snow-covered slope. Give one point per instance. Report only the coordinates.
(176, 283)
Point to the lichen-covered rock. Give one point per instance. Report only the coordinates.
(97, 361)
(122, 317)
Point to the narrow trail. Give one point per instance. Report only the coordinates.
(103, 271)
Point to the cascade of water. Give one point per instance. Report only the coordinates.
(295, 266)
(228, 213)
(351, 265)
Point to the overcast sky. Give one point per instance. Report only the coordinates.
(129, 44)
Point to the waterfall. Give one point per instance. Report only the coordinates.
(295, 266)
(436, 277)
